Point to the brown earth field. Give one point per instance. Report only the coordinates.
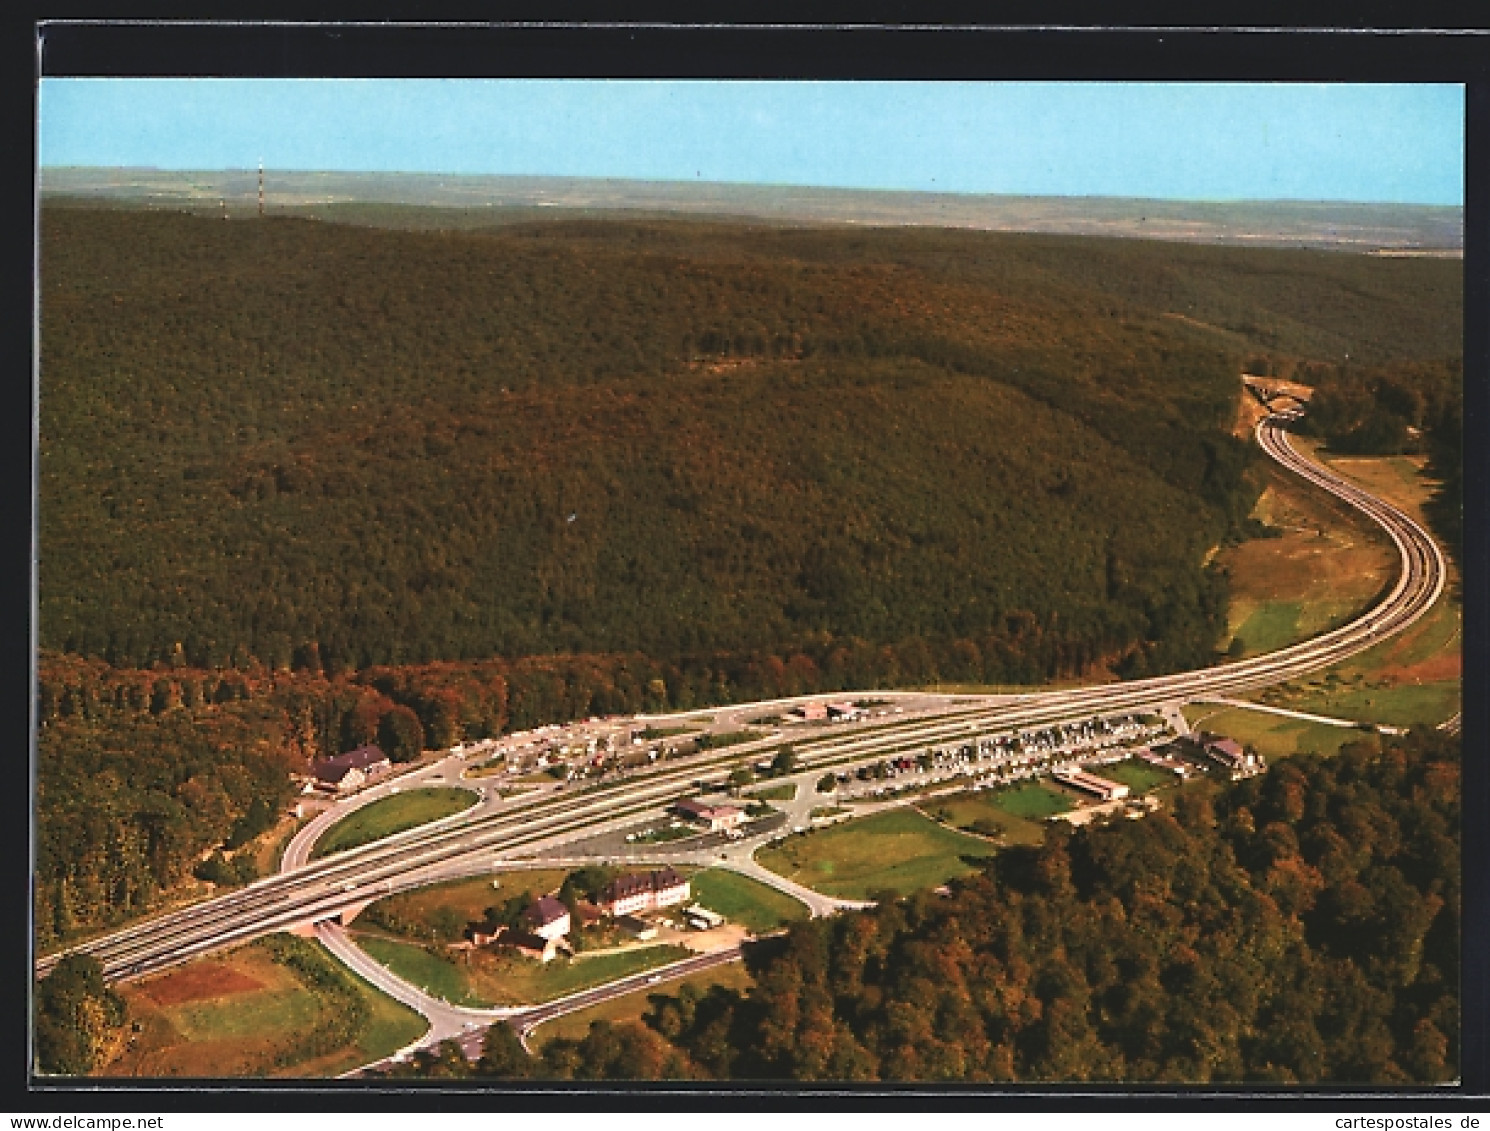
(194, 983)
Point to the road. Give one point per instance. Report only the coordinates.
(523, 826)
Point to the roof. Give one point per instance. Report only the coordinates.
(523, 940)
(1228, 746)
(545, 911)
(699, 809)
(334, 769)
(634, 883)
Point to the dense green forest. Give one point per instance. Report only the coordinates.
(1302, 927)
(300, 442)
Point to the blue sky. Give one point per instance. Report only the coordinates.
(1196, 141)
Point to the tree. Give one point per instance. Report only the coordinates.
(79, 1020)
(503, 1056)
(400, 734)
(827, 783)
(785, 761)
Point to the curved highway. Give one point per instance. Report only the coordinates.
(524, 825)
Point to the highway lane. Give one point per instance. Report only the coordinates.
(322, 888)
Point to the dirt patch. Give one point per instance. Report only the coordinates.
(1438, 669)
(198, 983)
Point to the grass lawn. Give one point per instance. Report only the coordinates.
(900, 850)
(430, 912)
(1138, 776)
(1277, 736)
(393, 815)
(786, 791)
(245, 1014)
(1032, 801)
(1019, 813)
(743, 900)
(632, 1007)
(1404, 705)
(434, 973)
(1272, 625)
(491, 978)
(521, 981)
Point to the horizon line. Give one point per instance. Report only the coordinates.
(41, 168)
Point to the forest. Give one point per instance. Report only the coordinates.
(306, 485)
(1299, 927)
(303, 443)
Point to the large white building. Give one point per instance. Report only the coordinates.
(626, 895)
(1100, 788)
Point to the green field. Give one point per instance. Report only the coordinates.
(632, 1007)
(787, 791)
(1275, 736)
(247, 1013)
(1032, 801)
(1017, 814)
(393, 815)
(1405, 705)
(1138, 776)
(1273, 625)
(899, 850)
(745, 901)
(486, 978)
(435, 974)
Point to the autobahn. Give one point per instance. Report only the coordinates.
(324, 888)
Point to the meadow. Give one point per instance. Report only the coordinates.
(899, 850)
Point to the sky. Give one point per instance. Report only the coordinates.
(1398, 143)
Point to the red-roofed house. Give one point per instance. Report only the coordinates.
(713, 817)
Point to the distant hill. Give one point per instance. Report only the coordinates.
(1005, 455)
(475, 200)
